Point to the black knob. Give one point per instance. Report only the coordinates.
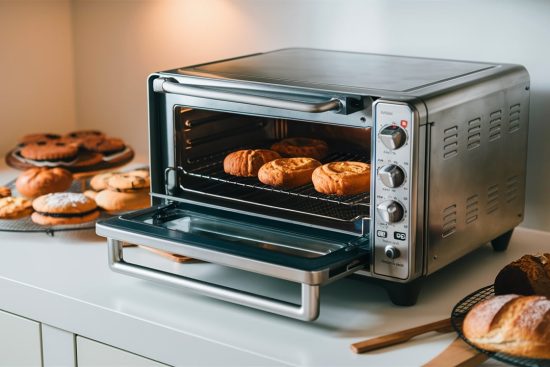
(392, 252)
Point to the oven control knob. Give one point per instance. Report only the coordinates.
(391, 252)
(393, 137)
(391, 175)
(390, 211)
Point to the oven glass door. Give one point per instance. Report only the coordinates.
(302, 254)
(287, 251)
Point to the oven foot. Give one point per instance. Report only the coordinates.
(403, 294)
(501, 242)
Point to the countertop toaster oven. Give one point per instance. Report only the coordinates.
(446, 141)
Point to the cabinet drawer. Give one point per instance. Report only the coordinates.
(20, 341)
(94, 354)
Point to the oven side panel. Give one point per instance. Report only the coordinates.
(478, 154)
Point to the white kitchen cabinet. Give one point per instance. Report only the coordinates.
(20, 341)
(94, 354)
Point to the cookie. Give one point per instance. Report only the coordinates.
(113, 201)
(301, 147)
(246, 163)
(124, 182)
(288, 172)
(64, 208)
(85, 134)
(39, 181)
(99, 181)
(140, 172)
(90, 193)
(342, 178)
(4, 191)
(50, 151)
(14, 208)
(103, 145)
(32, 138)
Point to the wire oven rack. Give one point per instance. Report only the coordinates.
(214, 181)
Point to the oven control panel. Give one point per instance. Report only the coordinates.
(391, 173)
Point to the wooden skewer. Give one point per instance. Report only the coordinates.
(400, 336)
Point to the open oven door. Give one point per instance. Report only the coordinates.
(309, 256)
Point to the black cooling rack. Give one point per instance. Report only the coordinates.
(457, 318)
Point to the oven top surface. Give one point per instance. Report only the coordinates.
(329, 70)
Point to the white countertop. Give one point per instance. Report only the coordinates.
(64, 281)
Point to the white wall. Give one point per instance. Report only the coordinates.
(36, 62)
(118, 43)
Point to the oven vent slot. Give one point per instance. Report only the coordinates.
(495, 125)
(474, 133)
(512, 188)
(514, 118)
(492, 199)
(449, 221)
(450, 142)
(472, 208)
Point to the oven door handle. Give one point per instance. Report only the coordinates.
(308, 310)
(171, 86)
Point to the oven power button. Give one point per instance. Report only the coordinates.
(391, 252)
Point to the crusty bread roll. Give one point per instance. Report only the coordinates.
(288, 172)
(301, 147)
(246, 163)
(342, 178)
(512, 324)
(527, 276)
(37, 181)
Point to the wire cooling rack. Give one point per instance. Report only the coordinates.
(27, 225)
(457, 318)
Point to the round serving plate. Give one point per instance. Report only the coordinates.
(459, 313)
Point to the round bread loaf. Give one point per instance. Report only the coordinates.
(301, 147)
(528, 275)
(63, 208)
(39, 181)
(246, 163)
(512, 324)
(342, 178)
(113, 201)
(288, 172)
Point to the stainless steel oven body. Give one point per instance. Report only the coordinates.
(446, 140)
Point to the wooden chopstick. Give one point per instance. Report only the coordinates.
(400, 336)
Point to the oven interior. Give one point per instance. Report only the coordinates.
(203, 139)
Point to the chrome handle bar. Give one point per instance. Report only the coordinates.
(169, 86)
(308, 309)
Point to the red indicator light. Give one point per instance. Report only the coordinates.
(404, 123)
